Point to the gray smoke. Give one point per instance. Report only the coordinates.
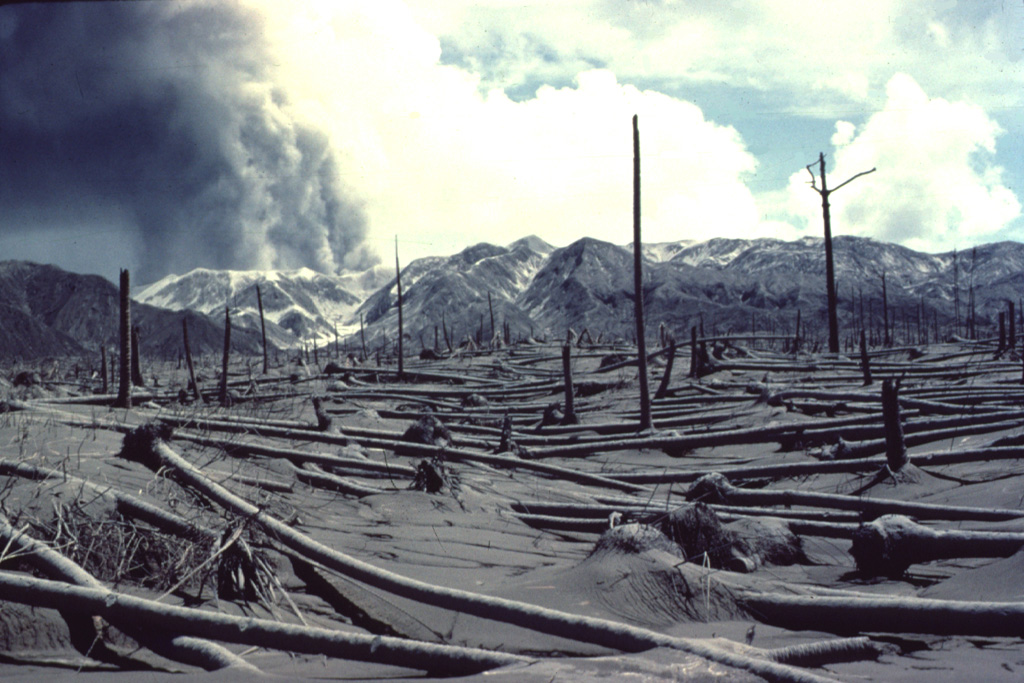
(168, 114)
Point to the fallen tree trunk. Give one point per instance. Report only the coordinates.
(674, 444)
(436, 659)
(714, 488)
(799, 469)
(178, 648)
(299, 457)
(827, 652)
(125, 504)
(843, 615)
(888, 545)
(312, 475)
(142, 445)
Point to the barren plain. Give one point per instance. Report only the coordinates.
(452, 522)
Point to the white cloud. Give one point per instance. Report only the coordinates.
(819, 56)
(443, 165)
(936, 185)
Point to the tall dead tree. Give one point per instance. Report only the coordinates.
(956, 296)
(1012, 341)
(103, 367)
(263, 327)
(223, 397)
(895, 447)
(362, 335)
(638, 286)
(188, 361)
(972, 323)
(124, 387)
(401, 330)
(830, 274)
(670, 359)
(570, 403)
(865, 361)
(137, 379)
(796, 336)
(885, 312)
(490, 307)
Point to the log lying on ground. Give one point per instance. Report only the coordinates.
(125, 504)
(843, 615)
(452, 454)
(179, 648)
(143, 445)
(798, 469)
(312, 475)
(888, 545)
(715, 488)
(676, 444)
(824, 652)
(436, 659)
(299, 457)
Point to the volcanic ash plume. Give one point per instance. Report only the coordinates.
(174, 117)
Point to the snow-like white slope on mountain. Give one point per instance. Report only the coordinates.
(535, 287)
(307, 303)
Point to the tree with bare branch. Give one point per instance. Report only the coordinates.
(830, 275)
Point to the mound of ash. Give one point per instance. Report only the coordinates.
(741, 546)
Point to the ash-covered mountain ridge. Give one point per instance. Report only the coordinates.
(533, 288)
(50, 312)
(530, 288)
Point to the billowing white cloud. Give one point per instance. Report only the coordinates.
(936, 185)
(443, 165)
(819, 57)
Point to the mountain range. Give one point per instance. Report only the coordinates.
(49, 312)
(531, 289)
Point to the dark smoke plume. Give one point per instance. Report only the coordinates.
(171, 115)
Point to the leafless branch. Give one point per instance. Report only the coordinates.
(814, 181)
(851, 179)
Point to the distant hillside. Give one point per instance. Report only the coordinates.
(52, 312)
(531, 288)
(724, 284)
(297, 305)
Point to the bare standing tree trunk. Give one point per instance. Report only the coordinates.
(972, 322)
(401, 332)
(490, 307)
(865, 362)
(796, 337)
(662, 391)
(956, 295)
(830, 274)
(188, 361)
(895, 447)
(638, 286)
(362, 335)
(124, 391)
(103, 367)
(1012, 341)
(885, 312)
(570, 404)
(137, 379)
(263, 327)
(224, 398)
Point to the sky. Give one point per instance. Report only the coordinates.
(168, 135)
